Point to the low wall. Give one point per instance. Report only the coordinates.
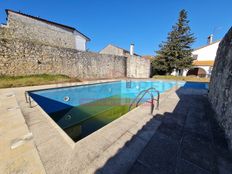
(18, 57)
(220, 88)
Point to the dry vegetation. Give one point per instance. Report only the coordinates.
(182, 78)
(19, 81)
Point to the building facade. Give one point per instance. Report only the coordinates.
(115, 50)
(203, 62)
(27, 27)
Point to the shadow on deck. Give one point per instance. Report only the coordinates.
(188, 140)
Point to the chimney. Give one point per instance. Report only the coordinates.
(210, 39)
(132, 49)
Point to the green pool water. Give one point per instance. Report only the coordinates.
(78, 122)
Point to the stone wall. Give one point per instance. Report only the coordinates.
(28, 47)
(138, 67)
(220, 89)
(19, 57)
(26, 28)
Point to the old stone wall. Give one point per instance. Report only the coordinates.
(220, 89)
(138, 67)
(25, 28)
(19, 57)
(22, 52)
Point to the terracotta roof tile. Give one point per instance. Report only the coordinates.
(203, 63)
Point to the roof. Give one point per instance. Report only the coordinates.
(148, 57)
(203, 62)
(49, 22)
(207, 45)
(123, 50)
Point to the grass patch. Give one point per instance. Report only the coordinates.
(32, 80)
(182, 78)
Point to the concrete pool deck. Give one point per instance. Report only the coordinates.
(136, 142)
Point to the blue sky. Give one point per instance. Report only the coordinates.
(120, 22)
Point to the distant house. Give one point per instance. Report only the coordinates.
(149, 57)
(134, 62)
(24, 26)
(115, 50)
(204, 58)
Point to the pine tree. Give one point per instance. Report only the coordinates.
(176, 52)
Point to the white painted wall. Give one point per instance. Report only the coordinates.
(185, 72)
(80, 41)
(207, 69)
(207, 52)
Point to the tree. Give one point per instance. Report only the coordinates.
(176, 52)
(159, 66)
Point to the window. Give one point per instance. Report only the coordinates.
(194, 56)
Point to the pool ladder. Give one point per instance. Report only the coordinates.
(128, 84)
(28, 98)
(140, 96)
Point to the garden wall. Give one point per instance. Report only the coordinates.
(31, 47)
(138, 67)
(220, 89)
(18, 57)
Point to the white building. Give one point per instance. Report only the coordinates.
(203, 59)
(80, 40)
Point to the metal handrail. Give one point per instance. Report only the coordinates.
(158, 96)
(28, 98)
(142, 94)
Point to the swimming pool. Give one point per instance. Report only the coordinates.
(81, 110)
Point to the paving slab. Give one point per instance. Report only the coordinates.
(18, 151)
(186, 167)
(198, 150)
(188, 140)
(159, 155)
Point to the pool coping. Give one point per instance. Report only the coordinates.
(71, 86)
(69, 140)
